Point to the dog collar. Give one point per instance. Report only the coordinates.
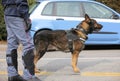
(83, 30)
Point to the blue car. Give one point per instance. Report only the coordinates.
(67, 14)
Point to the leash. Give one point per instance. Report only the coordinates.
(33, 30)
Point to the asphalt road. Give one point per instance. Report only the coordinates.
(95, 65)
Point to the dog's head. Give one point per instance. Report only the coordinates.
(89, 25)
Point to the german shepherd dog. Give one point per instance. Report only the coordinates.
(72, 40)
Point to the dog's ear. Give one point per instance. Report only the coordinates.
(87, 18)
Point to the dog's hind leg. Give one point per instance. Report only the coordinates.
(40, 51)
(36, 58)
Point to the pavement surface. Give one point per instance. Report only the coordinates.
(95, 65)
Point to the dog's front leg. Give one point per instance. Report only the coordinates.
(75, 55)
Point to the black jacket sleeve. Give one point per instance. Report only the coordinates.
(23, 8)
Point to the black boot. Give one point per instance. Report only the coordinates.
(16, 78)
(13, 56)
(28, 59)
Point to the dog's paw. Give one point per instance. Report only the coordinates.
(76, 70)
(37, 71)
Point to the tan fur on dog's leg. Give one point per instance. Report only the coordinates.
(74, 62)
(36, 58)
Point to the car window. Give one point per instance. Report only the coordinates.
(67, 9)
(33, 7)
(48, 10)
(97, 11)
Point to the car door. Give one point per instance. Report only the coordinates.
(110, 20)
(64, 14)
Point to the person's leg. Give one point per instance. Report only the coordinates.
(11, 45)
(28, 48)
(11, 53)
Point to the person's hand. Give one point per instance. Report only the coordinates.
(28, 25)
